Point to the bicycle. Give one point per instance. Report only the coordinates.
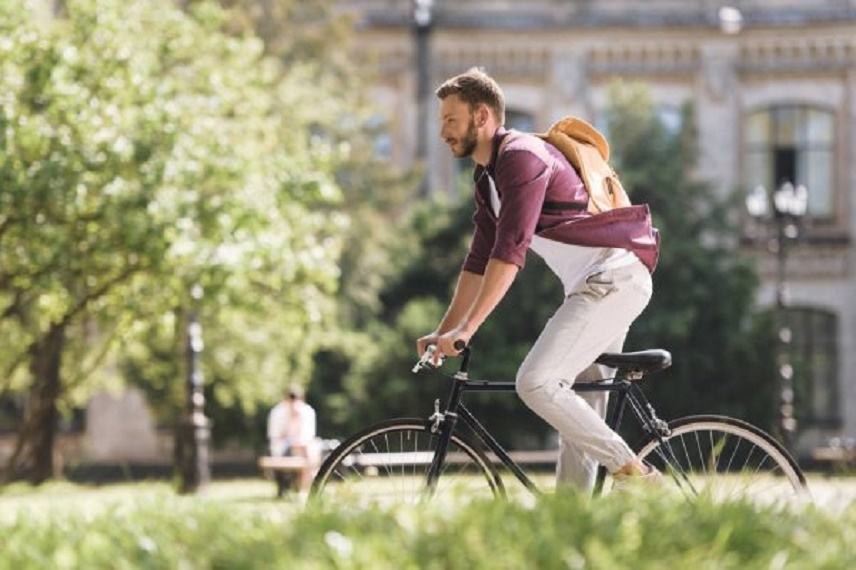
(409, 459)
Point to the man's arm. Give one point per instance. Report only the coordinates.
(522, 178)
(469, 280)
(465, 295)
(495, 283)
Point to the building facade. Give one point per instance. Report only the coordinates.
(773, 88)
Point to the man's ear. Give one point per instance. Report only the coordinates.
(482, 114)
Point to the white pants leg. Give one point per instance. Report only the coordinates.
(574, 467)
(590, 320)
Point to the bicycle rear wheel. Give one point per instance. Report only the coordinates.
(388, 463)
(725, 458)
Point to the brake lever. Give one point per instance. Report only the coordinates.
(427, 360)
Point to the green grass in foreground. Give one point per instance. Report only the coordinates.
(147, 526)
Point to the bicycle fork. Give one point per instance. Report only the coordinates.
(443, 424)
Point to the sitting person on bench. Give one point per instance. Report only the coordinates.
(291, 431)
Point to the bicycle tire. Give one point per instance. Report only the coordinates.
(415, 463)
(781, 478)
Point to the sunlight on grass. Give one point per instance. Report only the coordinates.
(239, 524)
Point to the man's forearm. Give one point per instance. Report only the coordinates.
(495, 283)
(466, 292)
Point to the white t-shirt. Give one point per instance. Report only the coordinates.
(572, 264)
(286, 428)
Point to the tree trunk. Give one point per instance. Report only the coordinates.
(33, 458)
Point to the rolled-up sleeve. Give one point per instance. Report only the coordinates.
(482, 242)
(521, 179)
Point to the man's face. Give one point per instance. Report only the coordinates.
(458, 126)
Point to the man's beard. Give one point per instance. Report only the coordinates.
(469, 142)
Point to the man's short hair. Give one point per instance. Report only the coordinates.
(294, 392)
(474, 86)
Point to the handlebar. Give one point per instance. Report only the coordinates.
(427, 360)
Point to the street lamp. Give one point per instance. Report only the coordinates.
(730, 20)
(195, 428)
(784, 210)
(423, 21)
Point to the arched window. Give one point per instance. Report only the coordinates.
(814, 355)
(792, 143)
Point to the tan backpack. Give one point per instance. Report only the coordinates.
(588, 152)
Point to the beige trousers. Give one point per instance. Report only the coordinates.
(593, 319)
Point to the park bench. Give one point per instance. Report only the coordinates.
(409, 459)
(285, 469)
(835, 456)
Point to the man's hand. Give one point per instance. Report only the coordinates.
(446, 342)
(422, 343)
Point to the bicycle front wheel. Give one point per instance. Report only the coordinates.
(388, 463)
(725, 458)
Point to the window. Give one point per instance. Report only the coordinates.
(814, 355)
(379, 131)
(796, 144)
(519, 120)
(670, 117)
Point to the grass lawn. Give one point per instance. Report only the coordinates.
(238, 524)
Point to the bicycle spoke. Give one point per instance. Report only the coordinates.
(352, 468)
(686, 453)
(383, 463)
(700, 453)
(727, 468)
(761, 464)
(415, 447)
(733, 453)
(684, 476)
(676, 466)
(748, 457)
(392, 467)
(393, 480)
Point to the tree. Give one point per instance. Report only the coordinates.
(145, 150)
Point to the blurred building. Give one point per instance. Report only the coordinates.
(772, 83)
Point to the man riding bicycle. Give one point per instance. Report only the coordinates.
(528, 196)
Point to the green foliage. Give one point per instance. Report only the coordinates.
(143, 150)
(567, 530)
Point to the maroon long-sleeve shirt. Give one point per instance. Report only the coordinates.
(542, 194)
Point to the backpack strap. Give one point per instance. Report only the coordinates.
(550, 206)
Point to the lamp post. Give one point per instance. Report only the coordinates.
(195, 428)
(423, 21)
(784, 210)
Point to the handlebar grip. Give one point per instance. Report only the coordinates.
(460, 345)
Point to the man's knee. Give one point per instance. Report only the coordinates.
(529, 384)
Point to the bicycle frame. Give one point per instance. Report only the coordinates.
(445, 421)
